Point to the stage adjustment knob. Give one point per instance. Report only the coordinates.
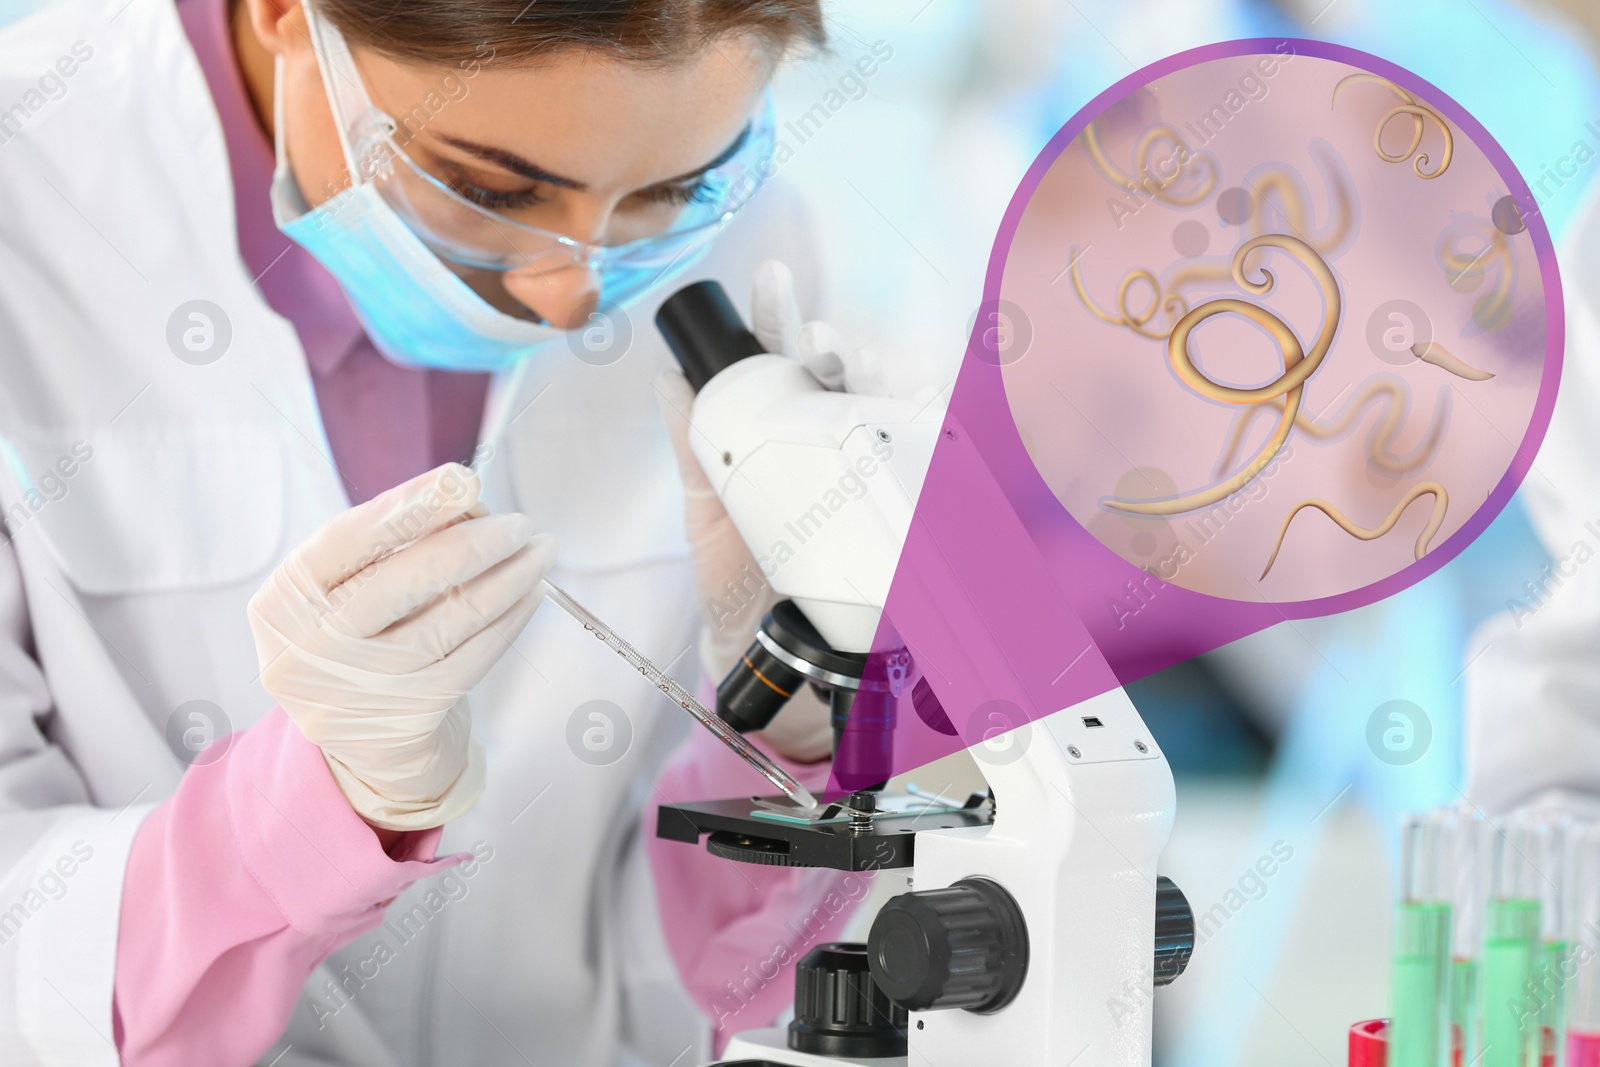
(1174, 931)
(961, 947)
(839, 1011)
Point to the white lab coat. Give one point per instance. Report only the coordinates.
(124, 598)
(1533, 672)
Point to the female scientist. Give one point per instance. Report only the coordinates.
(274, 270)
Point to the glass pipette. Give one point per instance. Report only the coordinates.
(681, 696)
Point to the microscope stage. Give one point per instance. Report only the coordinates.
(737, 830)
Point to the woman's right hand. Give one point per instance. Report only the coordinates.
(372, 632)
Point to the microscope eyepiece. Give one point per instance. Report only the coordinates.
(704, 331)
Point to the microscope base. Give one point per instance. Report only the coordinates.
(770, 1048)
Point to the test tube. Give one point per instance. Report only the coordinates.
(1555, 940)
(1469, 865)
(1422, 949)
(1583, 910)
(1511, 939)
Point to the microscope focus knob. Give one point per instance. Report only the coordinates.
(961, 947)
(1174, 931)
(839, 1011)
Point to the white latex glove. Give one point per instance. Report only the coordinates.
(372, 653)
(726, 572)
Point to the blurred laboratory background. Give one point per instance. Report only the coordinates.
(908, 179)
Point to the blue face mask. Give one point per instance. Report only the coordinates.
(414, 308)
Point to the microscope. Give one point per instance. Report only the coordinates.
(1036, 927)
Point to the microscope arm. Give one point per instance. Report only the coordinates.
(821, 485)
(1082, 810)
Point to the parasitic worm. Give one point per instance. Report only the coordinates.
(1154, 183)
(1136, 322)
(1465, 270)
(1437, 354)
(1292, 193)
(1393, 400)
(1418, 112)
(1298, 364)
(1441, 501)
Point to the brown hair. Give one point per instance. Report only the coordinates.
(652, 31)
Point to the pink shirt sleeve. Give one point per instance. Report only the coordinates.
(237, 887)
(736, 930)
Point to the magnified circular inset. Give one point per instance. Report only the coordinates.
(1205, 267)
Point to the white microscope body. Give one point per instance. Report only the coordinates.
(1082, 811)
(786, 455)
(1083, 797)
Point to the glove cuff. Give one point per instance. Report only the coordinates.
(408, 813)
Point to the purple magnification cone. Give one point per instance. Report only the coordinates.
(1012, 599)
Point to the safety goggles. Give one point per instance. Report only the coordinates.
(473, 236)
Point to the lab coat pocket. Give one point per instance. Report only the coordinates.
(135, 514)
